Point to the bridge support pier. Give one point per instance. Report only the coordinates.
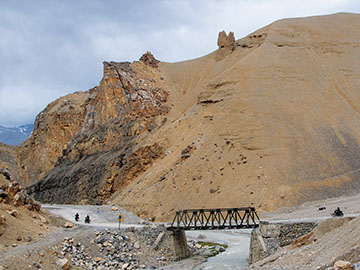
(180, 244)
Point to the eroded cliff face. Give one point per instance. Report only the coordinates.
(54, 128)
(104, 151)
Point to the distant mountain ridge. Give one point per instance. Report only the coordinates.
(16, 135)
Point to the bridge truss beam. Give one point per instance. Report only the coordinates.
(222, 218)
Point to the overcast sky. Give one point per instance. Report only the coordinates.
(51, 48)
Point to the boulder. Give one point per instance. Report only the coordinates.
(14, 187)
(356, 266)
(43, 220)
(63, 263)
(98, 259)
(2, 219)
(68, 225)
(32, 205)
(343, 265)
(14, 213)
(3, 194)
(6, 173)
(19, 199)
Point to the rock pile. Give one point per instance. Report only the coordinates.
(344, 265)
(131, 248)
(206, 249)
(117, 249)
(186, 153)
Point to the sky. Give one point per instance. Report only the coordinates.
(50, 48)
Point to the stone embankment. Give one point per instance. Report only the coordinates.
(269, 237)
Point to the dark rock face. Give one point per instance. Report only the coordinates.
(104, 154)
(93, 178)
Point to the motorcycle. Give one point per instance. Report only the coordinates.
(337, 213)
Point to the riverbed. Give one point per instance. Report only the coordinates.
(236, 254)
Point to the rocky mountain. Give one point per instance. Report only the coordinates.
(269, 120)
(15, 136)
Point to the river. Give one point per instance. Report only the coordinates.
(234, 256)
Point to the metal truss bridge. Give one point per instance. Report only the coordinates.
(209, 219)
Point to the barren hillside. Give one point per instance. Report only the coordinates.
(271, 121)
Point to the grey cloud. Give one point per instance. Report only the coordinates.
(50, 48)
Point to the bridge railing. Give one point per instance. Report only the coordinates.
(222, 218)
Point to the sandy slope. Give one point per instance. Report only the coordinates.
(275, 123)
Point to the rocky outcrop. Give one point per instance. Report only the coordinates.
(12, 193)
(148, 59)
(105, 153)
(226, 42)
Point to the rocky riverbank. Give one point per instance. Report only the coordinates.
(148, 247)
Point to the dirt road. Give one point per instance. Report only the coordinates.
(310, 211)
(100, 215)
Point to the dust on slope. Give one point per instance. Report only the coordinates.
(273, 124)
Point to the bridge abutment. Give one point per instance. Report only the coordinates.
(269, 237)
(180, 244)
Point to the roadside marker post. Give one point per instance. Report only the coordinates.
(120, 219)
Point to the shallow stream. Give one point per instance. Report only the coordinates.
(234, 257)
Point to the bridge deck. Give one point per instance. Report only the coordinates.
(209, 219)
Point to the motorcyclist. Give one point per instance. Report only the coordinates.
(338, 212)
(77, 217)
(87, 219)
